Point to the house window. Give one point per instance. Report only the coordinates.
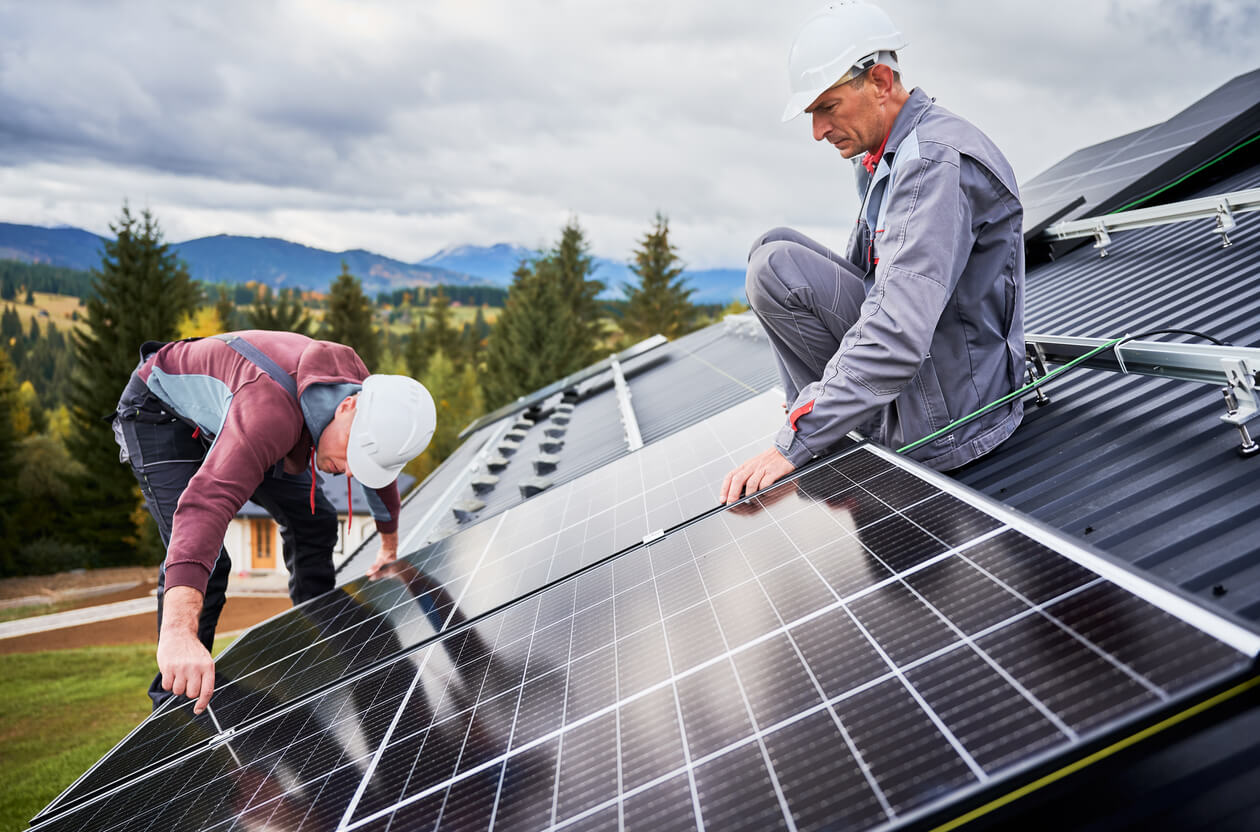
(263, 539)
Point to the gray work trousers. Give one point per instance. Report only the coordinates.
(807, 297)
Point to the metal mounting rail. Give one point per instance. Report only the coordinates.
(1235, 369)
(634, 440)
(1189, 362)
(1222, 207)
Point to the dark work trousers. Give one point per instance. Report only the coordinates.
(164, 456)
(807, 297)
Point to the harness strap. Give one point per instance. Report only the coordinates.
(263, 361)
(251, 353)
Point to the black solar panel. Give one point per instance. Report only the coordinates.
(856, 648)
(365, 622)
(1109, 174)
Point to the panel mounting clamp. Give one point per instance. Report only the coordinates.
(1225, 223)
(1242, 401)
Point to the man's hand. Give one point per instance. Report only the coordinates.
(762, 470)
(186, 666)
(387, 555)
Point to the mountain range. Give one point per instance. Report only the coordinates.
(227, 258)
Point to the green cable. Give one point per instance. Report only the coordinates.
(1173, 184)
(1012, 395)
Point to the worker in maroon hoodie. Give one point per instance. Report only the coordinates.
(210, 423)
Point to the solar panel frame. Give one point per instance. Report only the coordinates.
(897, 491)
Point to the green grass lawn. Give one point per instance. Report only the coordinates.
(60, 711)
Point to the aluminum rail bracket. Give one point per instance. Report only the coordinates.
(1242, 401)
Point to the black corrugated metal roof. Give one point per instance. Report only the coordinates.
(1143, 467)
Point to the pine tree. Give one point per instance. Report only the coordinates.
(226, 309)
(537, 339)
(10, 325)
(349, 319)
(437, 335)
(139, 294)
(660, 303)
(282, 312)
(458, 400)
(9, 463)
(571, 266)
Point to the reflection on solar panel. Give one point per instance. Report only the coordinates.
(856, 648)
(365, 622)
(1134, 165)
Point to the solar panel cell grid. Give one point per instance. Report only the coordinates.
(464, 575)
(697, 681)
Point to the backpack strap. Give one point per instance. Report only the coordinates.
(260, 359)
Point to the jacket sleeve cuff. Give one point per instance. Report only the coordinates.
(187, 573)
(387, 526)
(793, 447)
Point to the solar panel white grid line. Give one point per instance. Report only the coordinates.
(672, 681)
(621, 810)
(1108, 657)
(564, 711)
(1219, 628)
(381, 618)
(678, 714)
(477, 703)
(962, 752)
(748, 711)
(726, 657)
(328, 726)
(380, 749)
(515, 718)
(870, 477)
(899, 577)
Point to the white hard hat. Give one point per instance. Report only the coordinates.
(393, 422)
(842, 36)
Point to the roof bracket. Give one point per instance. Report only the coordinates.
(1242, 402)
(1037, 356)
(1119, 357)
(1225, 223)
(1101, 238)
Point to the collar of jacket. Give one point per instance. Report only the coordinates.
(911, 114)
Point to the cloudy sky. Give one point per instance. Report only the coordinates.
(404, 127)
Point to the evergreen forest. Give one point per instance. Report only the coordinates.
(71, 340)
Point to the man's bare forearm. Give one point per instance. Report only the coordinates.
(185, 663)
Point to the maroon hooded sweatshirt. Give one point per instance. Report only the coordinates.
(255, 425)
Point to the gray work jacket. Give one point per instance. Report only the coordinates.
(941, 332)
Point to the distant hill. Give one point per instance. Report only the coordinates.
(494, 263)
(72, 248)
(227, 258)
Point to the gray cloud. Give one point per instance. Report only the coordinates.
(404, 127)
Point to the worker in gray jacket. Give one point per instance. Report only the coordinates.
(921, 322)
